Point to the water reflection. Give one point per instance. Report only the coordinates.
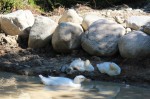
(30, 88)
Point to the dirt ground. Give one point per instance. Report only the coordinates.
(26, 61)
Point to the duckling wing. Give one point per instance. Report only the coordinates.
(114, 69)
(59, 81)
(103, 67)
(78, 64)
(45, 80)
(89, 68)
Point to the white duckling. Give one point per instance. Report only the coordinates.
(62, 81)
(88, 66)
(81, 65)
(109, 68)
(78, 64)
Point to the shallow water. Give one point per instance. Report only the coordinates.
(31, 88)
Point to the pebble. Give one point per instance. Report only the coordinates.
(127, 86)
(128, 30)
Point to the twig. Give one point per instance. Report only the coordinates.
(110, 3)
(94, 3)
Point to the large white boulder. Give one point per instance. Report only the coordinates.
(41, 32)
(67, 37)
(101, 38)
(15, 22)
(88, 20)
(135, 44)
(71, 16)
(136, 22)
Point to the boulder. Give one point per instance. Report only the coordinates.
(88, 20)
(102, 37)
(41, 32)
(71, 16)
(136, 22)
(135, 44)
(15, 22)
(67, 37)
(146, 28)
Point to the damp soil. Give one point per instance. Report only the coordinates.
(45, 61)
(17, 58)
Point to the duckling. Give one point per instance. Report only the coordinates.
(109, 68)
(81, 65)
(88, 66)
(63, 81)
(78, 64)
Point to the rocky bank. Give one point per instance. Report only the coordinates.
(33, 44)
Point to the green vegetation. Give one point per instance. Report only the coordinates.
(47, 5)
(8, 5)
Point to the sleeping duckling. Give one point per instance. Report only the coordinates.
(78, 64)
(63, 81)
(81, 65)
(109, 68)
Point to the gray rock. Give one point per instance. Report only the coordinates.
(37, 62)
(64, 68)
(67, 37)
(136, 22)
(41, 32)
(88, 20)
(146, 28)
(102, 37)
(71, 16)
(15, 22)
(135, 44)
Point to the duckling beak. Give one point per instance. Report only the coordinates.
(87, 80)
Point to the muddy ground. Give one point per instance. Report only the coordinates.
(17, 58)
(47, 62)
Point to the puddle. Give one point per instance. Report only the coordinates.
(23, 87)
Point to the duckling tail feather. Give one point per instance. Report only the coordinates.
(40, 76)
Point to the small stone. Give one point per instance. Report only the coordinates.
(96, 58)
(27, 66)
(128, 30)
(119, 19)
(107, 13)
(64, 68)
(146, 28)
(37, 62)
(2, 52)
(128, 9)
